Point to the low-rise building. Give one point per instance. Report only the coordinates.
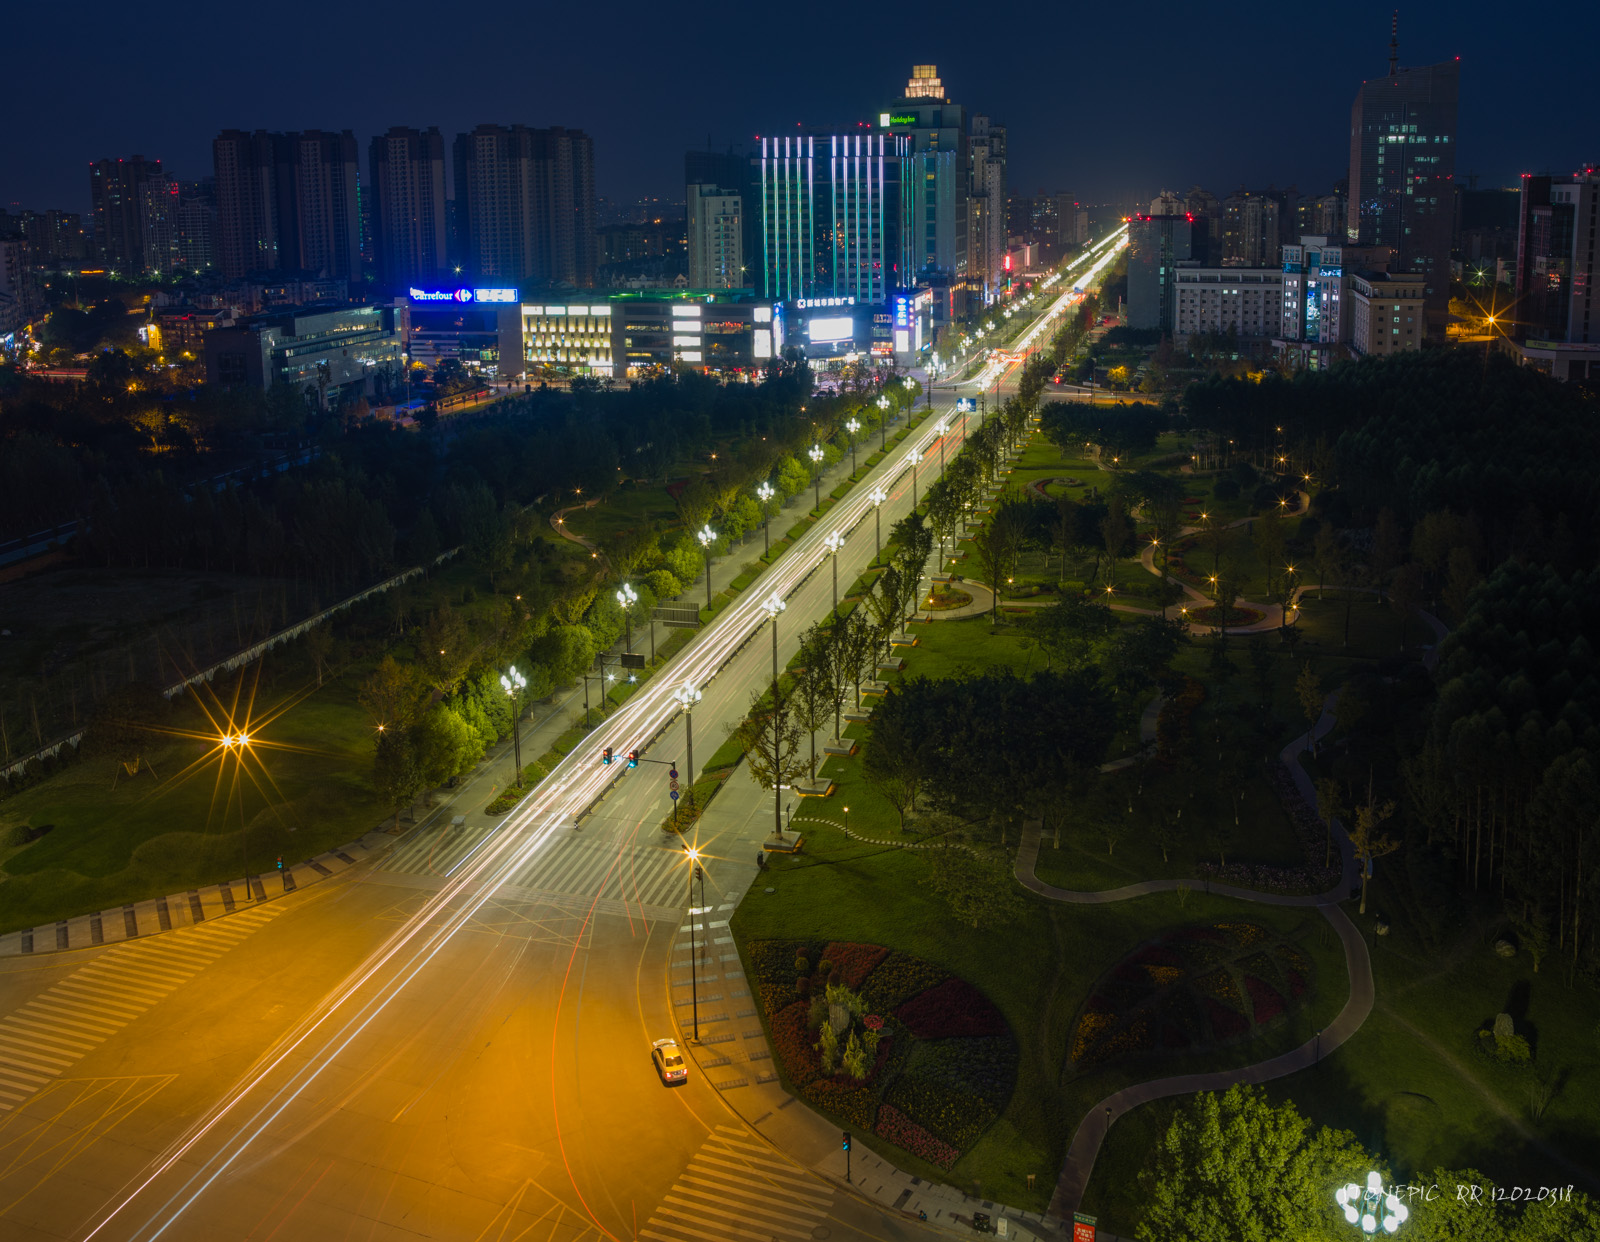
(328, 356)
(1386, 312)
(1244, 300)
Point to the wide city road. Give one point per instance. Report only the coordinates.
(454, 1042)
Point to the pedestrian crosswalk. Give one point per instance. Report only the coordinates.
(737, 1187)
(644, 872)
(44, 1038)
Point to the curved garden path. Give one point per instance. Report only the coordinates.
(558, 523)
(1093, 1128)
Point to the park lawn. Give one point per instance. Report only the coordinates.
(1374, 627)
(1411, 1086)
(148, 838)
(1037, 971)
(950, 647)
(630, 507)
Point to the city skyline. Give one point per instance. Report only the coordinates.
(1111, 91)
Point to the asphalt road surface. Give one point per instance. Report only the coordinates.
(453, 1043)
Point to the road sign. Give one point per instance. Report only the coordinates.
(1083, 1227)
(686, 615)
(674, 795)
(673, 783)
(673, 773)
(633, 659)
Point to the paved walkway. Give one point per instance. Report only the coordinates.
(1097, 1123)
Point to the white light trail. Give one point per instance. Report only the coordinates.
(572, 787)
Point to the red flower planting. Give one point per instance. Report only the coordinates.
(955, 1007)
(1268, 1004)
(854, 962)
(1225, 1023)
(905, 1133)
(873, 1022)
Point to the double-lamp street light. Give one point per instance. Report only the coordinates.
(708, 539)
(816, 455)
(833, 543)
(764, 493)
(774, 605)
(514, 683)
(627, 597)
(852, 427)
(877, 496)
(686, 696)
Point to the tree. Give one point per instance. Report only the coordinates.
(444, 745)
(1071, 631)
(318, 642)
(811, 694)
(1330, 806)
(1326, 557)
(996, 545)
(396, 776)
(858, 649)
(1405, 593)
(447, 650)
(977, 884)
(392, 696)
(1236, 1168)
(1308, 691)
(1367, 842)
(1388, 549)
(896, 760)
(770, 738)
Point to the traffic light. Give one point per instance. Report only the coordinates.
(847, 1140)
(605, 755)
(280, 862)
(633, 758)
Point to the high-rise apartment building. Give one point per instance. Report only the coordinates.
(1254, 223)
(1402, 163)
(248, 205)
(936, 128)
(525, 202)
(833, 216)
(134, 203)
(287, 202)
(1556, 327)
(715, 220)
(326, 173)
(1156, 246)
(409, 226)
(197, 225)
(986, 205)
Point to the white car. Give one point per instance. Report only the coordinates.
(669, 1062)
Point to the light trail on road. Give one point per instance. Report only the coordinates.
(570, 791)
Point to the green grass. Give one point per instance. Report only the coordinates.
(629, 507)
(1411, 1086)
(147, 838)
(1037, 971)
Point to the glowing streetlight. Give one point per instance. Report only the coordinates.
(852, 427)
(833, 543)
(627, 597)
(765, 492)
(708, 539)
(816, 455)
(696, 872)
(514, 683)
(912, 458)
(686, 696)
(883, 421)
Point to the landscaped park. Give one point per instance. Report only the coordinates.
(1220, 685)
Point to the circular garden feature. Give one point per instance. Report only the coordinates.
(1194, 989)
(944, 597)
(887, 1043)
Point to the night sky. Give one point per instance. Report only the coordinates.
(1104, 101)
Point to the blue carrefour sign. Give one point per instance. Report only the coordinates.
(506, 296)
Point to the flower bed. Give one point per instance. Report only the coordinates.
(1212, 614)
(955, 1007)
(1195, 988)
(945, 1064)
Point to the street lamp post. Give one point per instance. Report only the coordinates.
(774, 604)
(1371, 1208)
(514, 683)
(833, 543)
(708, 539)
(911, 460)
(815, 454)
(627, 597)
(242, 740)
(883, 421)
(941, 429)
(765, 492)
(877, 497)
(687, 695)
(852, 427)
(694, 953)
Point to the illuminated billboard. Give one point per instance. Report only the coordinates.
(464, 296)
(842, 328)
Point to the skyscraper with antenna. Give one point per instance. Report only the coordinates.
(1402, 170)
